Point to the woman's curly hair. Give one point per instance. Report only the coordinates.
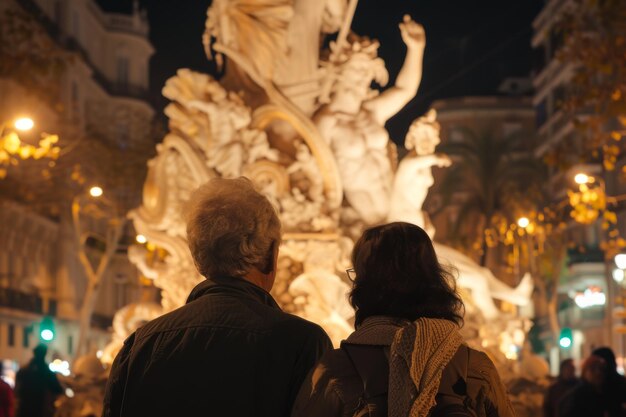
(398, 275)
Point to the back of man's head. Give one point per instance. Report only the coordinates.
(231, 228)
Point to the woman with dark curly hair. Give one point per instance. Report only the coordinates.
(406, 357)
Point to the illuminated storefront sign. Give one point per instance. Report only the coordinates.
(591, 297)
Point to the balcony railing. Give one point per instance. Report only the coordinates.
(101, 321)
(119, 22)
(589, 255)
(28, 302)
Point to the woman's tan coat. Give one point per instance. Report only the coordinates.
(333, 388)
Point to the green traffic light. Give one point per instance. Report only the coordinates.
(46, 329)
(566, 338)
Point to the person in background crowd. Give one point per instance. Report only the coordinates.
(565, 382)
(614, 384)
(586, 399)
(36, 387)
(230, 351)
(7, 402)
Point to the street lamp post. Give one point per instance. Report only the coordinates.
(114, 227)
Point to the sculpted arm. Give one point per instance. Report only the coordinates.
(325, 124)
(419, 162)
(392, 100)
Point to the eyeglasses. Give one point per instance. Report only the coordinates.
(351, 274)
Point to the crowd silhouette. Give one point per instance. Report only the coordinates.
(600, 391)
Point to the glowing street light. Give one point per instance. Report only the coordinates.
(24, 124)
(620, 260)
(582, 178)
(12, 148)
(523, 222)
(141, 239)
(95, 191)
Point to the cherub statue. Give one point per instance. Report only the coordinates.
(353, 119)
(414, 175)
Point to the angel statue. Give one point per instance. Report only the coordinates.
(353, 119)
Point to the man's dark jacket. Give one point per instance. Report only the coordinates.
(230, 351)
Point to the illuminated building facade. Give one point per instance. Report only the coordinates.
(102, 96)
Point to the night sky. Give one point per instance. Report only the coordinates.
(471, 46)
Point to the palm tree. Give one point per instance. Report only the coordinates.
(490, 178)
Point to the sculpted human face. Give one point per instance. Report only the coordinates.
(352, 87)
(425, 138)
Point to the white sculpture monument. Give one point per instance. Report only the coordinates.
(310, 133)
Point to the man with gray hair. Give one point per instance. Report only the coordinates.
(230, 351)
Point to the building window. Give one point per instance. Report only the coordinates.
(556, 42)
(121, 134)
(509, 128)
(26, 336)
(74, 92)
(75, 99)
(538, 59)
(122, 72)
(541, 112)
(559, 96)
(11, 335)
(121, 281)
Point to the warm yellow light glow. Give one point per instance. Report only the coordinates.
(523, 222)
(581, 178)
(141, 239)
(24, 123)
(95, 191)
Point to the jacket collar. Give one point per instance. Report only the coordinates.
(377, 330)
(237, 287)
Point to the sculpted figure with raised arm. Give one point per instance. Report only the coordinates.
(353, 119)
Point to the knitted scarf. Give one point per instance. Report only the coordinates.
(420, 350)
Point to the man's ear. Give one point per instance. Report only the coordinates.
(271, 263)
(275, 247)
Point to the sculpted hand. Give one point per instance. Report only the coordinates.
(443, 161)
(412, 33)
